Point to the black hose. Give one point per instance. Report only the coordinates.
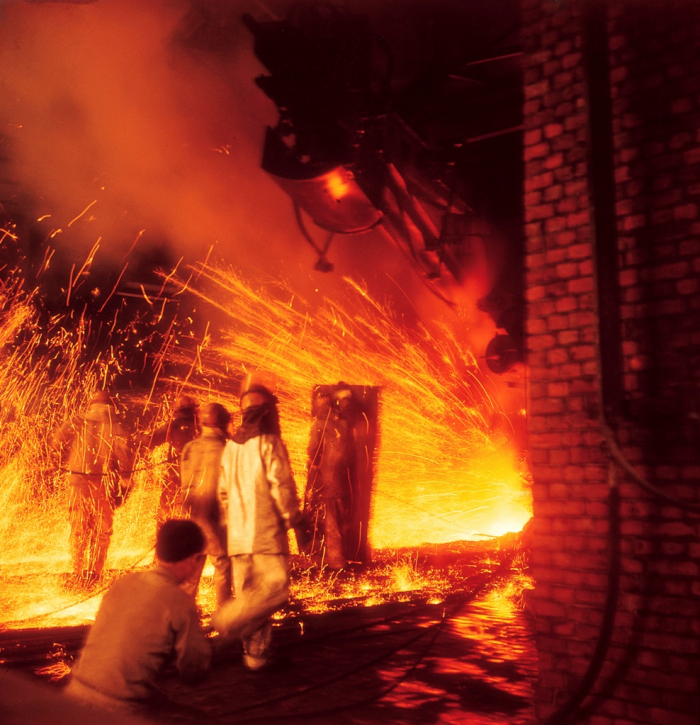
(608, 624)
(624, 463)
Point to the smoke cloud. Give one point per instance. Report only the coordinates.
(108, 107)
(115, 121)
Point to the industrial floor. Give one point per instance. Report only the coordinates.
(469, 659)
(461, 662)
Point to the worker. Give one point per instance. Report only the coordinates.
(176, 433)
(145, 621)
(329, 494)
(260, 500)
(199, 470)
(100, 463)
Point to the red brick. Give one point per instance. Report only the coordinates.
(571, 370)
(541, 211)
(688, 286)
(541, 308)
(557, 356)
(534, 293)
(563, 79)
(554, 161)
(681, 105)
(662, 216)
(559, 457)
(560, 389)
(583, 352)
(535, 326)
(533, 198)
(581, 319)
(551, 130)
(565, 238)
(532, 137)
(552, 193)
(536, 151)
(585, 267)
(685, 211)
(536, 89)
(555, 224)
(567, 337)
(579, 251)
(692, 156)
(540, 181)
(566, 271)
(578, 219)
(622, 173)
(635, 221)
(566, 304)
(581, 284)
(567, 205)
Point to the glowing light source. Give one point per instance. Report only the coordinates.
(442, 474)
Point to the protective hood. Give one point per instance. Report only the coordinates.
(99, 413)
(258, 420)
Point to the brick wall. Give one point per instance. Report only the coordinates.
(652, 670)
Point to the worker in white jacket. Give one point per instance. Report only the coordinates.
(260, 503)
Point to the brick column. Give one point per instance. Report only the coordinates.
(651, 672)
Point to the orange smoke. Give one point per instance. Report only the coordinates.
(107, 107)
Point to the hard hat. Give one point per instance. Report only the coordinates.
(100, 409)
(215, 416)
(100, 397)
(259, 381)
(184, 402)
(342, 390)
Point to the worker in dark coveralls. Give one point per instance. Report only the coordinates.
(199, 470)
(177, 433)
(328, 498)
(260, 500)
(100, 463)
(145, 623)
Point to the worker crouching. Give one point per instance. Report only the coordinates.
(145, 622)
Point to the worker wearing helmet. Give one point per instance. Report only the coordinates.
(199, 471)
(260, 501)
(99, 454)
(176, 433)
(328, 498)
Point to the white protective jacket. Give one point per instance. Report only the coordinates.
(258, 495)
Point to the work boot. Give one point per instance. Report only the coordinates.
(274, 664)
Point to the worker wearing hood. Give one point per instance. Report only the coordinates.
(100, 464)
(260, 501)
